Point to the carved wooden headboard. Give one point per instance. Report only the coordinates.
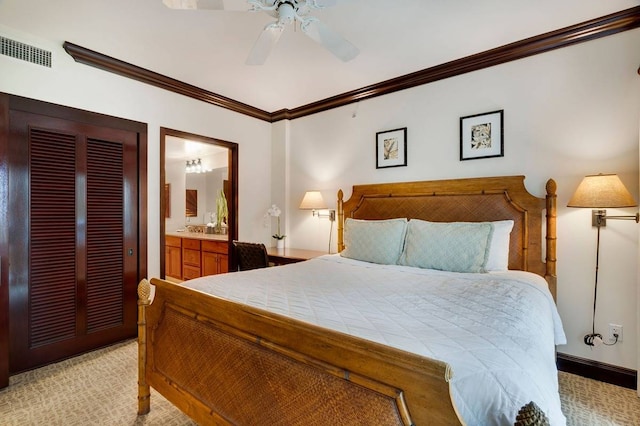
(467, 200)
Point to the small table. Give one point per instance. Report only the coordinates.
(291, 255)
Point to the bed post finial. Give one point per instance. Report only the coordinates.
(144, 393)
(551, 199)
(340, 221)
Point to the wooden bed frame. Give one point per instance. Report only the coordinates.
(225, 363)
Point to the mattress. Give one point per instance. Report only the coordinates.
(498, 331)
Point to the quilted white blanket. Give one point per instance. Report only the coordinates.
(498, 331)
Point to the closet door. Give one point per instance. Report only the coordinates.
(73, 197)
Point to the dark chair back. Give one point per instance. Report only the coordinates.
(250, 255)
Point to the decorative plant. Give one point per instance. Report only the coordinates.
(222, 212)
(274, 211)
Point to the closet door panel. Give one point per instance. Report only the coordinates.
(105, 234)
(72, 279)
(52, 249)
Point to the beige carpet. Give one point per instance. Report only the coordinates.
(100, 388)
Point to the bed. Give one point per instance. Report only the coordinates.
(285, 354)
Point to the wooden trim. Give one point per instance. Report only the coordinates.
(614, 23)
(591, 369)
(233, 165)
(142, 201)
(4, 242)
(89, 57)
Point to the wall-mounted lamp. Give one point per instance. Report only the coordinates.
(313, 201)
(600, 192)
(603, 191)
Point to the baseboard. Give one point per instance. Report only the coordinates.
(607, 373)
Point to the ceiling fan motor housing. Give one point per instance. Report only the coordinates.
(286, 12)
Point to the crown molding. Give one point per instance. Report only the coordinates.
(604, 26)
(107, 63)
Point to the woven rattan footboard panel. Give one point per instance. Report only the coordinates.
(224, 367)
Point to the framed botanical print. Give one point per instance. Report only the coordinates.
(482, 136)
(391, 148)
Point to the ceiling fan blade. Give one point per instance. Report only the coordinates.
(328, 38)
(263, 46)
(205, 4)
(319, 4)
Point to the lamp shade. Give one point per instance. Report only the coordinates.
(312, 200)
(604, 191)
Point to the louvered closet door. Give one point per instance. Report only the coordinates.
(73, 202)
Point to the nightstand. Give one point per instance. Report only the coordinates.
(291, 255)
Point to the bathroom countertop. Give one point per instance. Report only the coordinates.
(199, 236)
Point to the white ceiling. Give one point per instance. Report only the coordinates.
(208, 48)
(183, 149)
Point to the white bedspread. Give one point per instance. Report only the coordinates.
(498, 331)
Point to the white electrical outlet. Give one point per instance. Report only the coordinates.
(615, 329)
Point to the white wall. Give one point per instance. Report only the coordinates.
(80, 86)
(568, 113)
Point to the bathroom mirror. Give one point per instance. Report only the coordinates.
(219, 159)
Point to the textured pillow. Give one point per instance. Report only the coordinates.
(455, 246)
(499, 248)
(376, 241)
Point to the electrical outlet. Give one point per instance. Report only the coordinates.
(615, 329)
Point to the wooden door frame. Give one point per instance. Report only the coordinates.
(233, 179)
(4, 242)
(9, 103)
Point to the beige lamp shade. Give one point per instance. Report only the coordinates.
(313, 200)
(603, 191)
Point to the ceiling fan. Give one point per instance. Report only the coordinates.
(286, 12)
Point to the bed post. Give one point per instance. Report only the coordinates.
(550, 273)
(144, 393)
(340, 221)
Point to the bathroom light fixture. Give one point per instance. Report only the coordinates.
(194, 167)
(599, 192)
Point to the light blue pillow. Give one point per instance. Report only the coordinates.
(455, 246)
(376, 241)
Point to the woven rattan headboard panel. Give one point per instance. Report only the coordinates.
(468, 200)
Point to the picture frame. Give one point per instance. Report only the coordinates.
(482, 135)
(167, 200)
(391, 148)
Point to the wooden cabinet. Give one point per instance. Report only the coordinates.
(215, 257)
(188, 258)
(173, 257)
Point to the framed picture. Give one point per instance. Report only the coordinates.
(391, 148)
(167, 200)
(482, 136)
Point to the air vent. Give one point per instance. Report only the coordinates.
(25, 52)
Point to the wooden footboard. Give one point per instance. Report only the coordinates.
(225, 363)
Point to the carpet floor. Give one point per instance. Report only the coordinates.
(100, 388)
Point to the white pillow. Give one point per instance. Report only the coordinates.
(376, 241)
(499, 248)
(447, 246)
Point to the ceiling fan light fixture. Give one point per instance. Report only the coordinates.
(181, 4)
